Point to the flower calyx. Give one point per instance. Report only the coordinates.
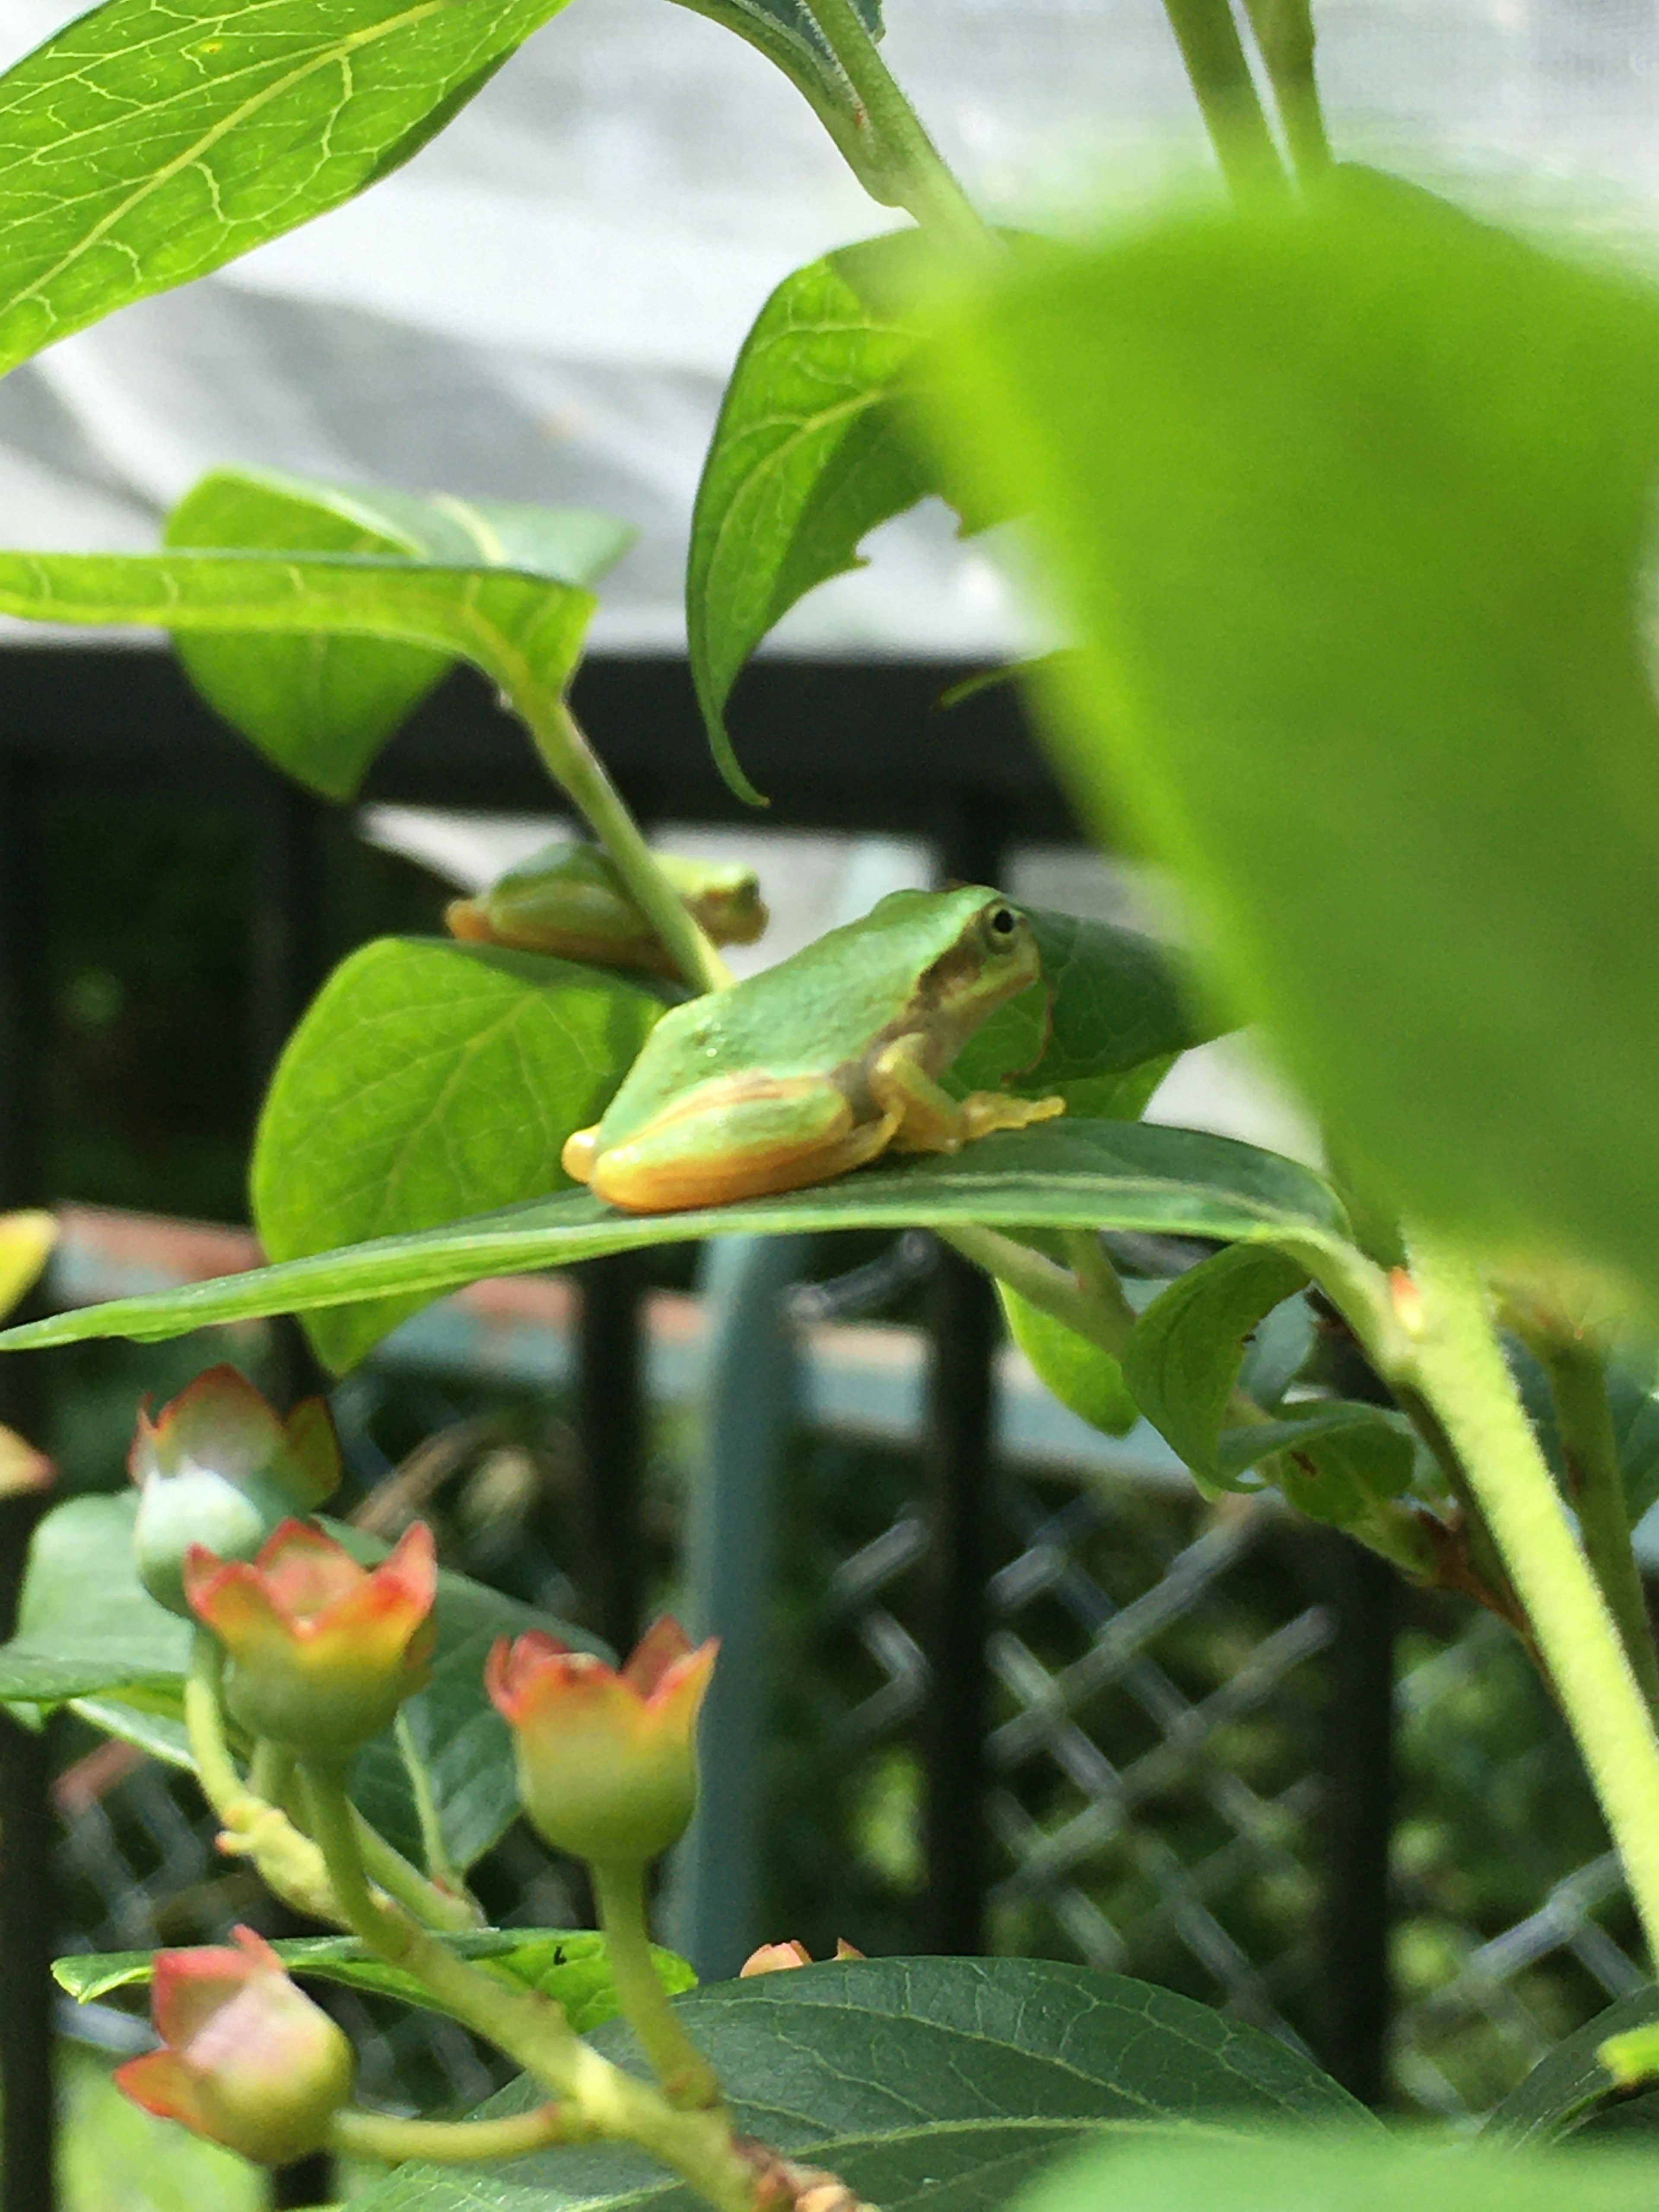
(606, 1756)
(247, 2059)
(220, 1466)
(321, 1652)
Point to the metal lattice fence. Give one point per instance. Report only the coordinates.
(1160, 1692)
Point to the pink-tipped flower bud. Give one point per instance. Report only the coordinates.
(607, 1759)
(322, 1651)
(778, 1958)
(220, 1467)
(248, 2060)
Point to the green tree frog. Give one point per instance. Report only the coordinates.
(819, 1064)
(569, 900)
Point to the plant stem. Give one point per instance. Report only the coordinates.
(687, 2077)
(439, 1864)
(574, 764)
(897, 162)
(1284, 33)
(432, 1906)
(528, 2026)
(1099, 1277)
(1054, 1290)
(1460, 1370)
(288, 1863)
(384, 2135)
(1595, 1481)
(1220, 77)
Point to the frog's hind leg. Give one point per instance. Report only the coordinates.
(929, 1119)
(731, 1142)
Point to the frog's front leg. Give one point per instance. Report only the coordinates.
(929, 1119)
(745, 1138)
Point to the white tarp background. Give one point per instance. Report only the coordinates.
(544, 303)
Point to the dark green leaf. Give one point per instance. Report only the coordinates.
(321, 705)
(125, 1644)
(1565, 2090)
(942, 2080)
(1066, 1174)
(1188, 1347)
(810, 454)
(1087, 1380)
(522, 629)
(1371, 2173)
(571, 1967)
(1101, 1029)
(430, 1081)
(153, 140)
(1332, 1459)
(1349, 505)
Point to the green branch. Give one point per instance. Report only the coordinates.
(1220, 77)
(687, 2077)
(1459, 1369)
(384, 2135)
(1284, 33)
(1595, 1483)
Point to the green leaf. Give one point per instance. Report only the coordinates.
(571, 1967)
(1349, 505)
(810, 452)
(1188, 1347)
(1184, 1362)
(431, 1081)
(523, 630)
(153, 140)
(1063, 1175)
(1087, 1380)
(1101, 1029)
(321, 707)
(122, 1656)
(1567, 2090)
(1369, 2174)
(942, 2080)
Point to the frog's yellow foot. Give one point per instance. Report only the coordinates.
(577, 1157)
(983, 1111)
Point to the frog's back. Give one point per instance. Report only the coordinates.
(812, 1013)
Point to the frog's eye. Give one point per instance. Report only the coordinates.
(1002, 923)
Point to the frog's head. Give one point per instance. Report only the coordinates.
(993, 958)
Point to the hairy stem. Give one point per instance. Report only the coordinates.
(1220, 77)
(1460, 1370)
(433, 1907)
(383, 2135)
(289, 1863)
(1578, 1379)
(528, 2026)
(897, 162)
(574, 764)
(1284, 33)
(687, 2077)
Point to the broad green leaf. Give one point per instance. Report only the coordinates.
(1348, 505)
(1101, 1029)
(1307, 2172)
(1063, 1175)
(571, 1967)
(942, 2080)
(524, 630)
(321, 707)
(1566, 2091)
(123, 1655)
(150, 141)
(430, 1081)
(1087, 1380)
(1188, 1346)
(810, 452)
